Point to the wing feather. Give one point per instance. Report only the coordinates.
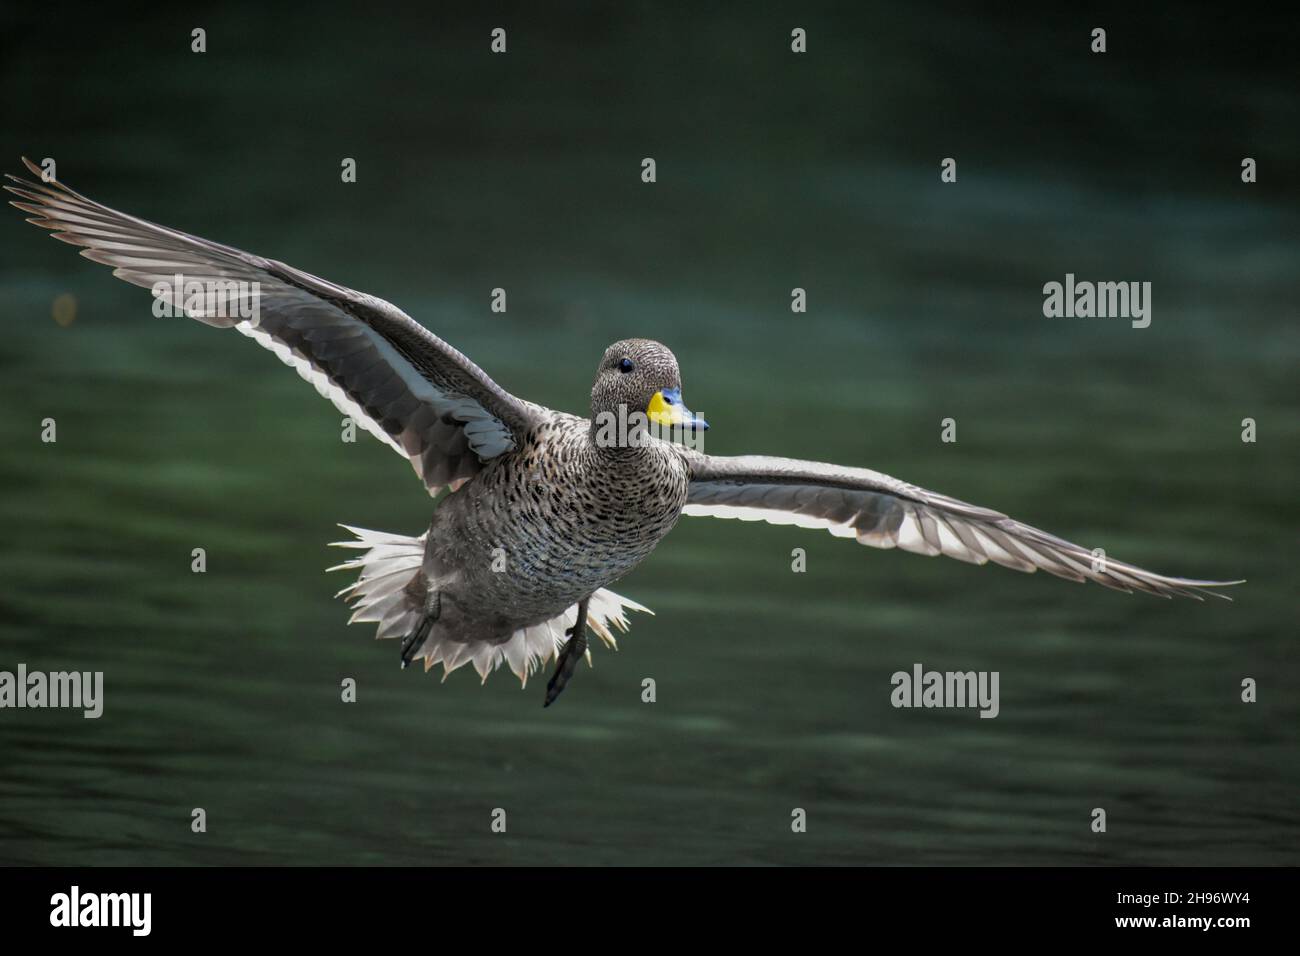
(884, 512)
(398, 381)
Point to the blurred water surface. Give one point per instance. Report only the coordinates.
(773, 688)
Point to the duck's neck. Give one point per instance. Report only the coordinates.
(626, 450)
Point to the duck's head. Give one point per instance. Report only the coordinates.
(641, 375)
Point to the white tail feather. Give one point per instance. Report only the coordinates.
(377, 596)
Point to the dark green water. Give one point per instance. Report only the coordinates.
(222, 689)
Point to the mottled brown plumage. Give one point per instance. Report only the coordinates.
(546, 525)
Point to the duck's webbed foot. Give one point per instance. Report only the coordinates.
(574, 651)
(412, 642)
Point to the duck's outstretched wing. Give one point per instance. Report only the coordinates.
(887, 513)
(393, 377)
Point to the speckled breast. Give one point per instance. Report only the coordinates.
(540, 528)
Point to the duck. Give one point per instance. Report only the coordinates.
(537, 511)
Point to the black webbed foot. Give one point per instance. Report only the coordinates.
(412, 642)
(574, 651)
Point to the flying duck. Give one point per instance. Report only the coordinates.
(539, 511)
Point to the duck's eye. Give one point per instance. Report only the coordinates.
(626, 365)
